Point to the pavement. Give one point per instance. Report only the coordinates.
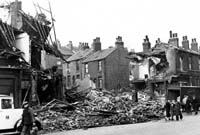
(190, 125)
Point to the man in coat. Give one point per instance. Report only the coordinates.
(177, 110)
(27, 119)
(195, 105)
(167, 109)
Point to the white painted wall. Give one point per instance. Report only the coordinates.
(144, 69)
(22, 42)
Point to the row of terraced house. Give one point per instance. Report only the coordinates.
(165, 70)
(105, 68)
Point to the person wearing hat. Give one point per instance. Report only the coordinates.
(27, 119)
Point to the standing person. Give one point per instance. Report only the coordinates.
(167, 110)
(177, 109)
(27, 119)
(184, 102)
(195, 105)
(188, 105)
(172, 109)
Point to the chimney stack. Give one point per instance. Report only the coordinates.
(85, 46)
(70, 45)
(81, 46)
(194, 45)
(170, 34)
(119, 42)
(146, 45)
(185, 43)
(173, 39)
(16, 17)
(96, 45)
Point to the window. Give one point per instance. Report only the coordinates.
(67, 65)
(68, 81)
(6, 104)
(86, 68)
(199, 63)
(77, 66)
(77, 76)
(68, 70)
(73, 79)
(181, 63)
(99, 65)
(100, 82)
(190, 63)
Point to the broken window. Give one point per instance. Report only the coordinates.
(181, 63)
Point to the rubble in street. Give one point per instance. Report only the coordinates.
(96, 110)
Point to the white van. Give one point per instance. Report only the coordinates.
(8, 114)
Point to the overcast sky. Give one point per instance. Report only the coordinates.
(83, 20)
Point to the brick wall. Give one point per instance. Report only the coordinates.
(117, 69)
(192, 76)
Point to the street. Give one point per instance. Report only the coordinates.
(188, 126)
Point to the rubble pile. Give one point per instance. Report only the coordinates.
(98, 109)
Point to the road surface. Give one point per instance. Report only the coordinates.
(190, 125)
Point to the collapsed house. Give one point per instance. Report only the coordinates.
(23, 45)
(167, 70)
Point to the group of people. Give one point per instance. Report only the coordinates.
(173, 110)
(190, 104)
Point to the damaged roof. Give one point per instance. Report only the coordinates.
(66, 51)
(99, 55)
(80, 55)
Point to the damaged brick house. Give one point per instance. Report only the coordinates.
(22, 42)
(108, 68)
(167, 70)
(74, 66)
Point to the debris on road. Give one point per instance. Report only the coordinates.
(97, 109)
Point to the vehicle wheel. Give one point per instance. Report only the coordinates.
(18, 125)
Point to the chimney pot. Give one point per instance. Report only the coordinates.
(174, 40)
(173, 35)
(194, 45)
(147, 38)
(146, 44)
(119, 42)
(96, 44)
(170, 34)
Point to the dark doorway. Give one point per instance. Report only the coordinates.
(173, 94)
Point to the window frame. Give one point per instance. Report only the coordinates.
(86, 68)
(99, 65)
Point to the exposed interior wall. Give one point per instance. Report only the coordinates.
(171, 59)
(22, 42)
(144, 69)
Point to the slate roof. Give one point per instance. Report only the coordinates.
(99, 55)
(66, 51)
(80, 55)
